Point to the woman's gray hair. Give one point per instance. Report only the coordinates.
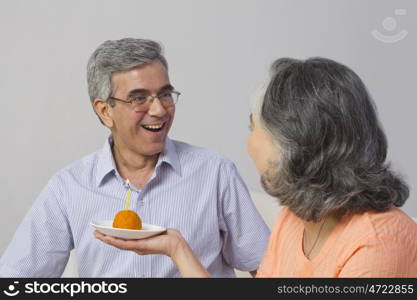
(332, 147)
(118, 55)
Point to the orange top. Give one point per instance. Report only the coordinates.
(361, 245)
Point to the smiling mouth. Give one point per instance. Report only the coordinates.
(154, 127)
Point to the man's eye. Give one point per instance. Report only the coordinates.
(139, 98)
(165, 95)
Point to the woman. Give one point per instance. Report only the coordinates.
(319, 148)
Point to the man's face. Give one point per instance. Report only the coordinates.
(128, 125)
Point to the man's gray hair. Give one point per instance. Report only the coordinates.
(118, 55)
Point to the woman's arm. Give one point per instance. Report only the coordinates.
(186, 261)
(170, 243)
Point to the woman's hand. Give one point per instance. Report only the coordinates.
(170, 243)
(166, 243)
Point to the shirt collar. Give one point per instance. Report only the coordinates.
(170, 156)
(107, 165)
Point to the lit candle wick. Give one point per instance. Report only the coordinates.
(128, 194)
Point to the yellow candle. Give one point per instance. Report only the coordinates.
(128, 195)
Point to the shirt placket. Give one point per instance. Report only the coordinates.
(141, 208)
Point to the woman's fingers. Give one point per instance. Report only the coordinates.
(165, 243)
(98, 234)
(133, 245)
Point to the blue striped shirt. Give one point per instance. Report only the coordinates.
(192, 189)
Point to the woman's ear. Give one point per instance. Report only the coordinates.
(103, 111)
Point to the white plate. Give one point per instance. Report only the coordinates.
(148, 230)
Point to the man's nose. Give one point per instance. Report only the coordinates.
(156, 108)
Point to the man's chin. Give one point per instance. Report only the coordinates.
(152, 151)
(150, 146)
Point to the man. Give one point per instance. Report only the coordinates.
(173, 184)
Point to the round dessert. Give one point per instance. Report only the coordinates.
(127, 219)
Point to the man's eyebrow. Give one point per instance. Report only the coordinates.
(143, 91)
(138, 91)
(167, 87)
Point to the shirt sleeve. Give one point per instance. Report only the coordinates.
(382, 257)
(245, 234)
(42, 243)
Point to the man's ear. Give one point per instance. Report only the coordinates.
(103, 111)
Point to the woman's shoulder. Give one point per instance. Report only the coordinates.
(285, 214)
(391, 225)
(286, 222)
(379, 244)
(391, 221)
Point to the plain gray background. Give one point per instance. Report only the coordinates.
(218, 52)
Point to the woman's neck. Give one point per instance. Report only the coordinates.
(316, 234)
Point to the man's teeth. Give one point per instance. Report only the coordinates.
(153, 126)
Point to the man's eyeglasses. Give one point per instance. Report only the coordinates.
(142, 101)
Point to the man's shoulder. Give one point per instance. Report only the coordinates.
(78, 173)
(82, 167)
(187, 152)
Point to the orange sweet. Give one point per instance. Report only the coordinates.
(127, 219)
